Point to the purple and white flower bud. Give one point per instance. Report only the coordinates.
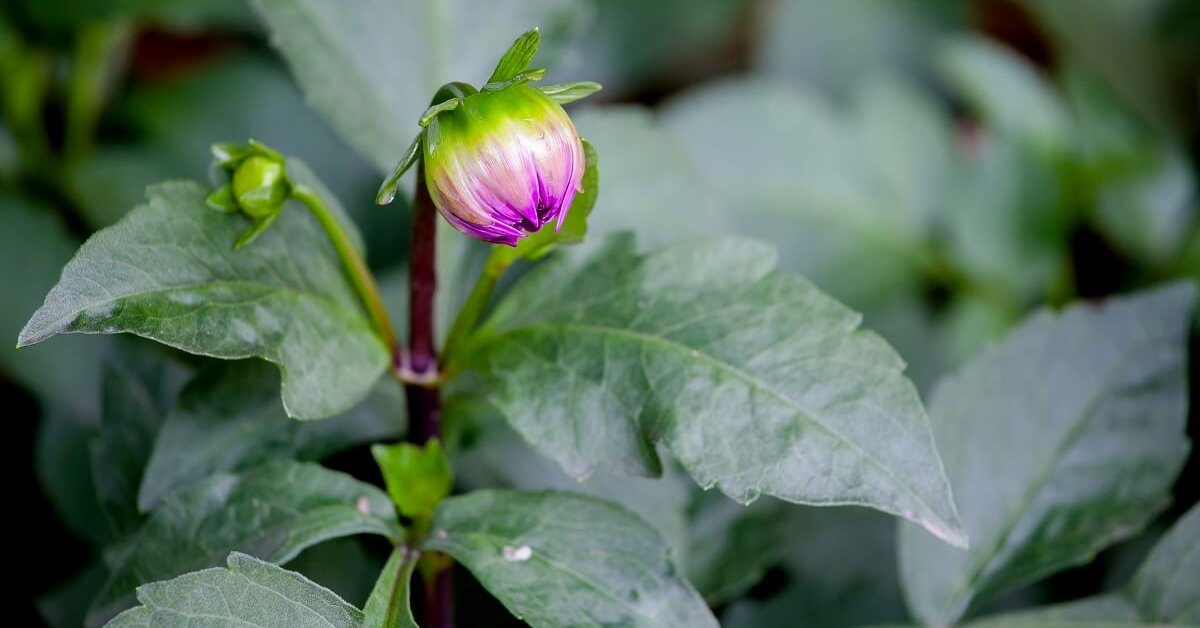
(503, 164)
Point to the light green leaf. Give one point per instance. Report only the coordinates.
(567, 93)
(1060, 441)
(1006, 90)
(1167, 587)
(754, 380)
(273, 511)
(167, 272)
(249, 592)
(229, 419)
(563, 559)
(371, 66)
(417, 477)
(518, 57)
(388, 606)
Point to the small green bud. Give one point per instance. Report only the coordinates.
(417, 478)
(260, 186)
(255, 183)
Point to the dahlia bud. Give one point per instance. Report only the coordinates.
(503, 164)
(503, 161)
(258, 185)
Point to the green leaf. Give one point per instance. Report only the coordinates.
(388, 606)
(1166, 590)
(575, 225)
(1060, 441)
(273, 511)
(818, 181)
(562, 559)
(249, 592)
(567, 93)
(518, 57)
(417, 477)
(371, 66)
(166, 272)
(1006, 90)
(229, 419)
(594, 363)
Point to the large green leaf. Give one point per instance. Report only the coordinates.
(371, 66)
(249, 592)
(168, 271)
(562, 559)
(755, 380)
(230, 419)
(273, 511)
(1060, 441)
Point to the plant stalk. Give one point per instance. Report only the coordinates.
(356, 268)
(420, 365)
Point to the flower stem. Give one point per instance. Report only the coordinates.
(420, 365)
(472, 310)
(356, 268)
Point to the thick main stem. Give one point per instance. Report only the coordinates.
(420, 364)
(420, 361)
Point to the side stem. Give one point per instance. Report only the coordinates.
(356, 268)
(420, 367)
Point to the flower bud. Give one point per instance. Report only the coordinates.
(260, 186)
(256, 184)
(503, 163)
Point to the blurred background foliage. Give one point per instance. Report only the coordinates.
(943, 166)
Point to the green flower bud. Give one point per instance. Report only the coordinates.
(257, 185)
(260, 186)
